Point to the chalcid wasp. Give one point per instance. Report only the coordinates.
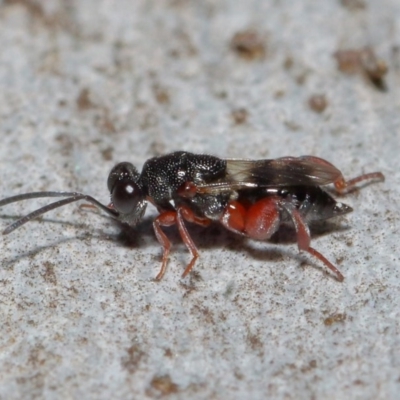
(250, 197)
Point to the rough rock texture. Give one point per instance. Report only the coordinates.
(86, 84)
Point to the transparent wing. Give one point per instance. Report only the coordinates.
(285, 171)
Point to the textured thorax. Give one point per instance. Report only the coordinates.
(162, 176)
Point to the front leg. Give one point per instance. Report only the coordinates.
(169, 218)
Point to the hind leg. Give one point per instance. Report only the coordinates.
(304, 239)
(262, 219)
(342, 186)
(259, 221)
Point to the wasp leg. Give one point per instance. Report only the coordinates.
(167, 218)
(342, 186)
(262, 219)
(304, 239)
(259, 221)
(187, 190)
(92, 206)
(185, 213)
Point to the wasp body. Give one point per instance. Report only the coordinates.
(250, 197)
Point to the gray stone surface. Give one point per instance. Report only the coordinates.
(86, 84)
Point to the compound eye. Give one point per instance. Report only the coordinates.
(119, 172)
(125, 196)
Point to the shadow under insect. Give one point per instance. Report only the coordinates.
(255, 199)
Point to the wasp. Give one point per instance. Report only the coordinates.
(252, 198)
